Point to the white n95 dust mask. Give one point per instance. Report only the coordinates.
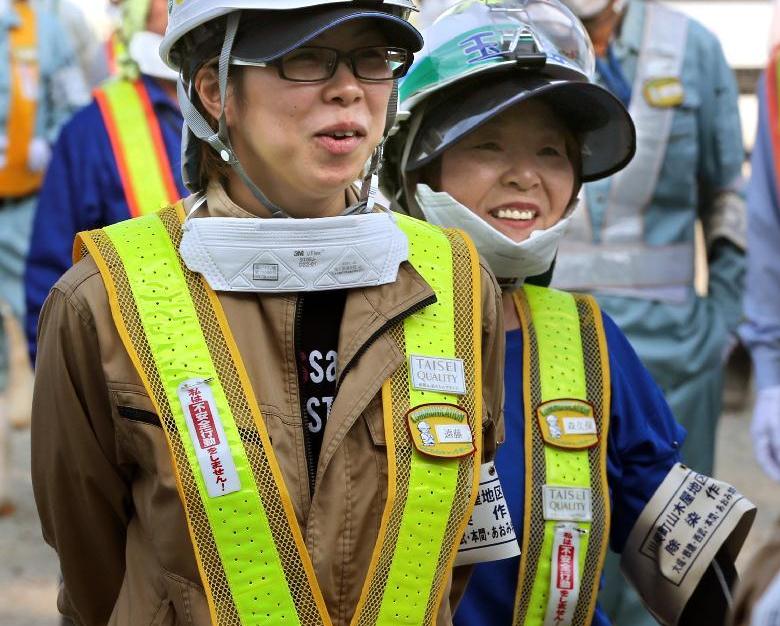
(511, 262)
(294, 255)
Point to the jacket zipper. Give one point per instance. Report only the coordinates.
(309, 452)
(382, 329)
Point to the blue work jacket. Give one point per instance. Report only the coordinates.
(82, 190)
(761, 331)
(679, 341)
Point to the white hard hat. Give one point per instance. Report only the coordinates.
(184, 16)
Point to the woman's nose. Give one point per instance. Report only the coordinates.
(521, 174)
(343, 87)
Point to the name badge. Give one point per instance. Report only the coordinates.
(440, 374)
(579, 426)
(440, 430)
(664, 93)
(567, 423)
(208, 437)
(567, 504)
(490, 535)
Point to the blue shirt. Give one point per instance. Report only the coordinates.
(83, 190)
(644, 442)
(761, 331)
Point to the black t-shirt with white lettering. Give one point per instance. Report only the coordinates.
(316, 344)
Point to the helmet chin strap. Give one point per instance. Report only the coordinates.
(370, 184)
(220, 140)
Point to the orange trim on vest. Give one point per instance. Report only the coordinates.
(148, 122)
(114, 48)
(159, 143)
(15, 178)
(773, 112)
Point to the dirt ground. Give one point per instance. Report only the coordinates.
(28, 567)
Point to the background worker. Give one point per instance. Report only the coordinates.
(632, 245)
(758, 600)
(40, 87)
(233, 383)
(506, 165)
(761, 330)
(86, 45)
(118, 157)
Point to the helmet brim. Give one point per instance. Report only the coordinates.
(280, 32)
(597, 117)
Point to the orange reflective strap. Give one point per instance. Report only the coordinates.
(15, 177)
(773, 110)
(139, 149)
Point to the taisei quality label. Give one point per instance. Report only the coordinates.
(440, 374)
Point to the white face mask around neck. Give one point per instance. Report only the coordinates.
(510, 261)
(294, 255)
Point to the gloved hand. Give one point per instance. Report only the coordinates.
(767, 609)
(765, 430)
(38, 155)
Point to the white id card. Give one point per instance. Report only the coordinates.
(490, 535)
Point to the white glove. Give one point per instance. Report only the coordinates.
(38, 155)
(766, 612)
(765, 431)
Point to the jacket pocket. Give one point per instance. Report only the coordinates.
(165, 615)
(138, 415)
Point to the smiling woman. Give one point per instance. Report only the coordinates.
(591, 449)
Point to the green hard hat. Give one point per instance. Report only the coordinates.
(482, 57)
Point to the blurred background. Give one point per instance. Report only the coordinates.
(28, 568)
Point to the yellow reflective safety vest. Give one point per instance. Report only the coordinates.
(138, 146)
(253, 562)
(16, 179)
(567, 507)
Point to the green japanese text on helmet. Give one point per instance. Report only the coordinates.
(261, 30)
(489, 55)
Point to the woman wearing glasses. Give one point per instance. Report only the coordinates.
(269, 404)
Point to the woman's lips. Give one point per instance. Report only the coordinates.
(514, 221)
(339, 145)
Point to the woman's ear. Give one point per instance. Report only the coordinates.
(207, 88)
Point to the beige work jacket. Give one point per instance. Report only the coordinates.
(102, 473)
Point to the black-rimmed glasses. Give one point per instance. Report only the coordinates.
(312, 64)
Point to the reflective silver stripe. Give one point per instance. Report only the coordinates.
(632, 190)
(623, 263)
(655, 273)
